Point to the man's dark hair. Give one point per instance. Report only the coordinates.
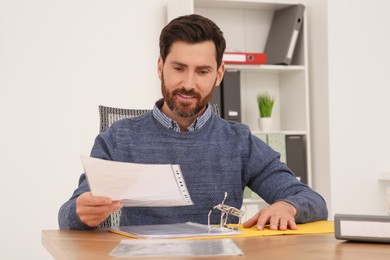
(192, 29)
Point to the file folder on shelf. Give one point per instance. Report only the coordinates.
(244, 58)
(277, 141)
(296, 156)
(283, 35)
(228, 96)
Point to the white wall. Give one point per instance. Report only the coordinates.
(359, 90)
(319, 107)
(350, 102)
(58, 61)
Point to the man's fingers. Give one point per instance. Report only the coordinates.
(93, 220)
(283, 224)
(260, 220)
(274, 223)
(251, 222)
(93, 210)
(279, 216)
(87, 199)
(292, 225)
(99, 210)
(263, 219)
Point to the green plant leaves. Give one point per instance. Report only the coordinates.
(265, 103)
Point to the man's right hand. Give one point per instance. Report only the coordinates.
(93, 210)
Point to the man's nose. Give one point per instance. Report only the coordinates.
(189, 80)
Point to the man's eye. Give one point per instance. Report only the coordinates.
(203, 72)
(178, 68)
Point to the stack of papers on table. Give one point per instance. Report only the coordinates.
(166, 248)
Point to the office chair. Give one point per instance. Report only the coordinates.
(109, 115)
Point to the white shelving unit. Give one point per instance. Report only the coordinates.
(246, 25)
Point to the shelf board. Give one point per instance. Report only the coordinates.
(384, 176)
(265, 68)
(244, 4)
(282, 132)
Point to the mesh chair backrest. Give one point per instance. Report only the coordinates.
(109, 115)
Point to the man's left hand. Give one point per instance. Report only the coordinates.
(279, 216)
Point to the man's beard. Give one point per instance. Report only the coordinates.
(184, 109)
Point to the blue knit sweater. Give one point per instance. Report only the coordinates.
(221, 156)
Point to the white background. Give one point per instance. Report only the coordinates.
(60, 59)
(350, 91)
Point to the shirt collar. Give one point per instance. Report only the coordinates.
(172, 124)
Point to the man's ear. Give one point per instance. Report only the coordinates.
(160, 66)
(220, 73)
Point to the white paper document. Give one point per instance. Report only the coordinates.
(137, 185)
(165, 248)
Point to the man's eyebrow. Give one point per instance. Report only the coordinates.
(202, 67)
(205, 67)
(178, 63)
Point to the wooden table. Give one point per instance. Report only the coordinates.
(64, 244)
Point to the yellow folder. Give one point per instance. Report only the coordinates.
(318, 227)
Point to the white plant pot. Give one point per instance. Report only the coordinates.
(265, 124)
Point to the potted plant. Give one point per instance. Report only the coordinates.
(265, 103)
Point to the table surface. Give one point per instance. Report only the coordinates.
(72, 244)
